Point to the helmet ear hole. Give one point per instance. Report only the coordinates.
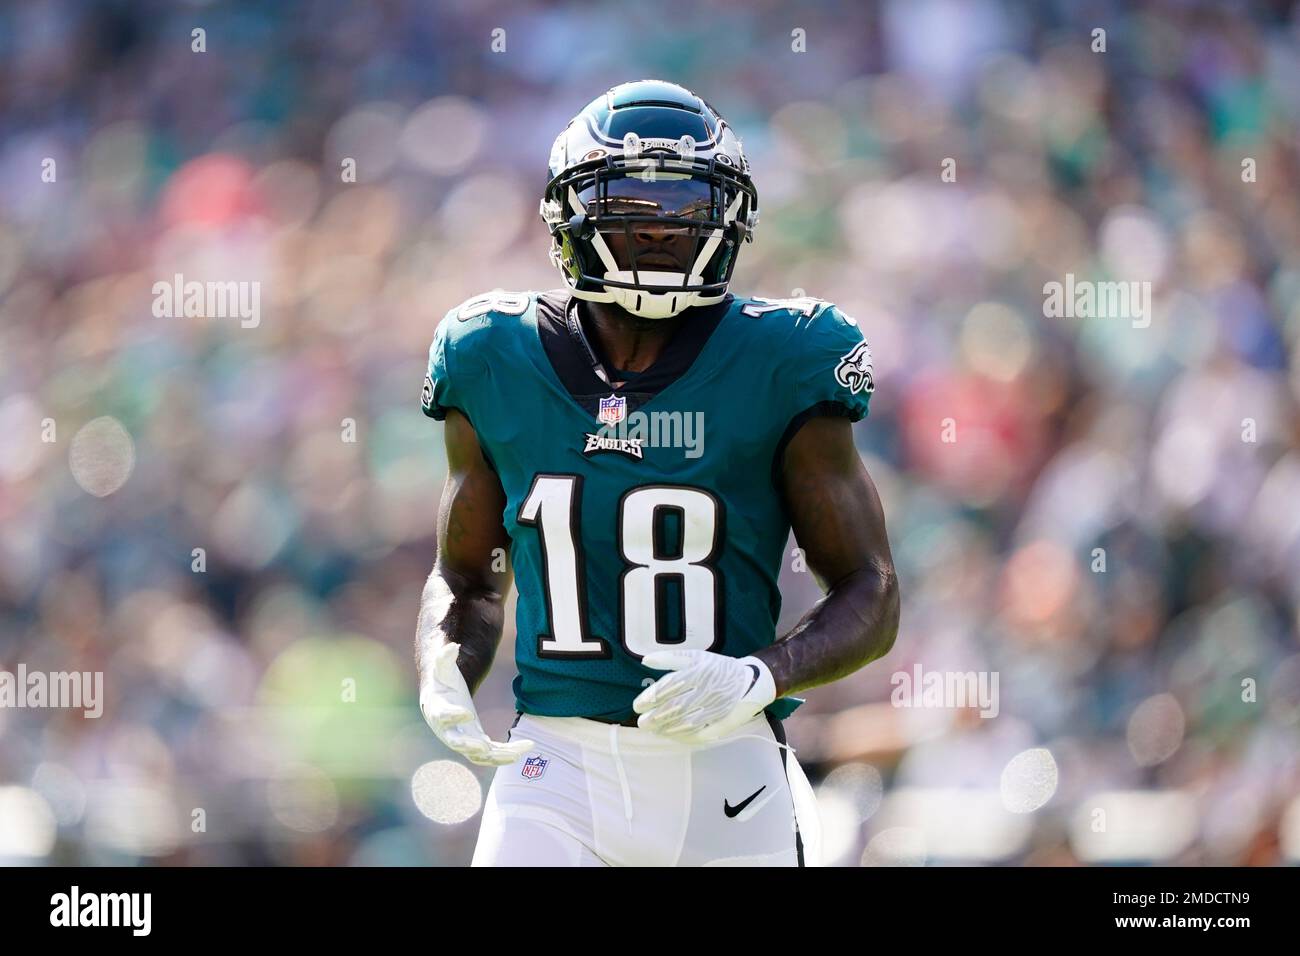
(578, 225)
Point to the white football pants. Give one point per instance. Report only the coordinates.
(595, 794)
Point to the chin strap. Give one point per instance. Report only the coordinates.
(575, 330)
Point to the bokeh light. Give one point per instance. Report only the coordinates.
(1100, 512)
(446, 792)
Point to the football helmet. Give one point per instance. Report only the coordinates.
(648, 200)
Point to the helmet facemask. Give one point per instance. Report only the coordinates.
(617, 221)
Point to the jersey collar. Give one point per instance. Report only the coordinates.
(583, 375)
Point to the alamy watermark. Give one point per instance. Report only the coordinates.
(946, 689)
(1085, 299)
(630, 433)
(75, 690)
(208, 300)
(129, 910)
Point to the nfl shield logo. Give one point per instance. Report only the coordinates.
(534, 767)
(612, 410)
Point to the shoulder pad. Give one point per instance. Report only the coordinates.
(497, 301)
(757, 306)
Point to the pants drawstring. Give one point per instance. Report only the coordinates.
(622, 774)
(766, 740)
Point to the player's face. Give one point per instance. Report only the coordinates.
(660, 246)
(657, 247)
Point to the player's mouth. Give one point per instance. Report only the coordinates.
(659, 261)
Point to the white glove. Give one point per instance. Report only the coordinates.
(705, 697)
(449, 711)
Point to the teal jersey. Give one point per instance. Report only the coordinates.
(650, 516)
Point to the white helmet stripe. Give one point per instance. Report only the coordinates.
(716, 238)
(598, 138)
(597, 240)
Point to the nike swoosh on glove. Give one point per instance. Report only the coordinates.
(449, 711)
(705, 697)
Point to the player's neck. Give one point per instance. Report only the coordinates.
(626, 341)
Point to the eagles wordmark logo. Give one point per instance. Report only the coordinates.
(626, 446)
(611, 413)
(854, 370)
(631, 433)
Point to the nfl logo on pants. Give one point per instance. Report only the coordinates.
(533, 767)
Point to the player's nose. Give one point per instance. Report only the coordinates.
(653, 240)
(648, 230)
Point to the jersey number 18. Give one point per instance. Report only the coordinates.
(553, 506)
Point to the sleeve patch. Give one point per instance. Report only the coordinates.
(854, 370)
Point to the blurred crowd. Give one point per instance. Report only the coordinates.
(232, 521)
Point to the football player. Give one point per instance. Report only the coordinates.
(641, 442)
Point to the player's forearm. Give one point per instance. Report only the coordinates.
(855, 624)
(456, 608)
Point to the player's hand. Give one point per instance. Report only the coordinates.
(705, 697)
(449, 710)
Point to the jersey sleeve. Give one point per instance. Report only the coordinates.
(439, 394)
(832, 374)
(467, 344)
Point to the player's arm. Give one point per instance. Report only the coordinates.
(836, 516)
(463, 599)
(838, 522)
(462, 607)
